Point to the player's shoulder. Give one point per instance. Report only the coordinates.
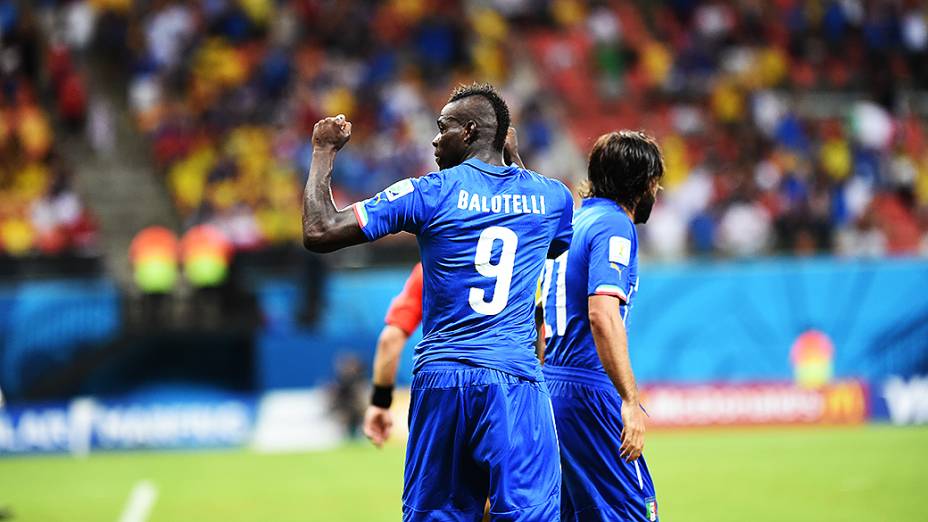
(431, 183)
(602, 225)
(435, 177)
(551, 187)
(604, 217)
(552, 184)
(456, 175)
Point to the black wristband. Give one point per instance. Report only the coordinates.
(382, 397)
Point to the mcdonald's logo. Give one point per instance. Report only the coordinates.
(845, 403)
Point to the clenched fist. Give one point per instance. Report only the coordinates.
(331, 133)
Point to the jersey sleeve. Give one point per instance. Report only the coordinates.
(405, 310)
(407, 205)
(565, 230)
(613, 246)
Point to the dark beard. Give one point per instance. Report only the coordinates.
(643, 209)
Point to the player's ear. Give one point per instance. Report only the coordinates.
(470, 131)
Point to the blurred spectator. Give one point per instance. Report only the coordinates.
(101, 132)
(781, 122)
(40, 213)
(348, 393)
(744, 229)
(862, 239)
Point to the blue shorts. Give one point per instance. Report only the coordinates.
(598, 483)
(477, 433)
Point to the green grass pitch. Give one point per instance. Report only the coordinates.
(862, 474)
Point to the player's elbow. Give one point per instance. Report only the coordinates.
(604, 314)
(315, 243)
(602, 319)
(316, 239)
(392, 339)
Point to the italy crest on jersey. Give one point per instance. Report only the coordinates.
(650, 505)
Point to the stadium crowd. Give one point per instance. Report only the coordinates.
(40, 213)
(791, 127)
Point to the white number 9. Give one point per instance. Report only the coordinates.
(501, 271)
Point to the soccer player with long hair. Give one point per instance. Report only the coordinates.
(587, 294)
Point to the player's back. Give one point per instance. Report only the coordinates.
(484, 233)
(602, 260)
(482, 255)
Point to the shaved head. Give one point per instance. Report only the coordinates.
(476, 109)
(473, 124)
(481, 104)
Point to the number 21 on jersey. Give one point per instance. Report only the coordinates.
(555, 272)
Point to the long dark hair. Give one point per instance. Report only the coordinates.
(623, 165)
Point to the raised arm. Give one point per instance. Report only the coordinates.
(325, 228)
(511, 149)
(612, 347)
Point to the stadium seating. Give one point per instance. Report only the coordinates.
(795, 130)
(755, 165)
(41, 216)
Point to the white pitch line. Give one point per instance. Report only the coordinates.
(141, 500)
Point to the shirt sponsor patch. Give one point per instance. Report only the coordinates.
(398, 189)
(620, 250)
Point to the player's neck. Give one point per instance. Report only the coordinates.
(629, 213)
(489, 157)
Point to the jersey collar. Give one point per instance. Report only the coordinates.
(486, 167)
(589, 202)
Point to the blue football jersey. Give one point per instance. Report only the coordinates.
(484, 233)
(602, 259)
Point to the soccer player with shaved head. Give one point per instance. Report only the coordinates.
(480, 417)
(587, 294)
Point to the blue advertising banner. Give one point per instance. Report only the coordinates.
(47, 323)
(807, 321)
(773, 320)
(291, 355)
(85, 425)
(901, 400)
